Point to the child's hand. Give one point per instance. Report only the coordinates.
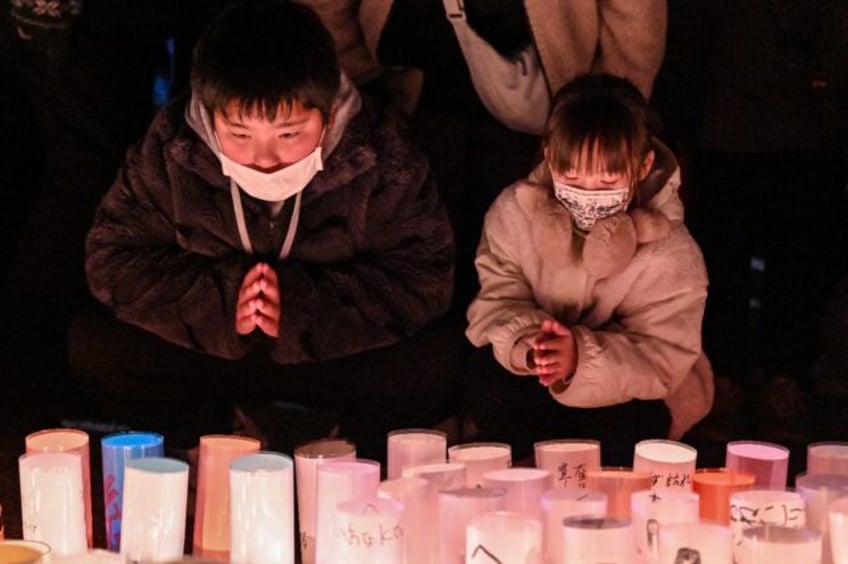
(554, 353)
(259, 302)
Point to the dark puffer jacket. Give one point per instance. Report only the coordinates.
(372, 261)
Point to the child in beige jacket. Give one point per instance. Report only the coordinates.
(591, 283)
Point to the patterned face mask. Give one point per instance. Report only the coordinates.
(588, 206)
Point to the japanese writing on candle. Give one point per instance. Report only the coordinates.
(676, 479)
(482, 554)
(573, 472)
(374, 538)
(773, 514)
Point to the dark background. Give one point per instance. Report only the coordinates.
(752, 98)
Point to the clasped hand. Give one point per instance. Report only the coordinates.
(554, 353)
(259, 302)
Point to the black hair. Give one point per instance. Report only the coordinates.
(264, 54)
(599, 117)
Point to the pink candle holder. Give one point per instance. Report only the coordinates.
(619, 484)
(440, 476)
(837, 513)
(68, 440)
(368, 531)
(758, 508)
(154, 516)
(262, 509)
(827, 458)
(714, 486)
(696, 542)
(779, 545)
(589, 540)
(340, 481)
(769, 462)
(503, 536)
(456, 509)
(671, 464)
(52, 506)
(651, 510)
(212, 505)
(307, 458)
(819, 491)
(561, 503)
(414, 447)
(412, 494)
(568, 460)
(480, 458)
(523, 486)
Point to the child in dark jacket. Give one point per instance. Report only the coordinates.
(275, 213)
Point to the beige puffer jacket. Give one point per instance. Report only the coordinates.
(638, 329)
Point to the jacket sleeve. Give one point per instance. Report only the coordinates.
(136, 266)
(632, 37)
(655, 340)
(504, 313)
(398, 275)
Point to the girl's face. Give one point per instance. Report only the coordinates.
(265, 145)
(598, 177)
(593, 180)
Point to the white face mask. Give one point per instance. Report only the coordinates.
(588, 206)
(274, 186)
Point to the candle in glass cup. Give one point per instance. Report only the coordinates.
(568, 460)
(154, 509)
(444, 476)
(340, 481)
(772, 544)
(523, 486)
(837, 513)
(829, 457)
(769, 462)
(456, 508)
(561, 503)
(262, 509)
(707, 543)
(618, 483)
(307, 458)
(116, 449)
(757, 508)
(651, 510)
(714, 486)
(368, 531)
(589, 540)
(52, 504)
(417, 524)
(671, 464)
(68, 440)
(819, 491)
(212, 505)
(503, 536)
(414, 447)
(479, 458)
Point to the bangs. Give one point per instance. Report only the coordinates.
(591, 155)
(594, 136)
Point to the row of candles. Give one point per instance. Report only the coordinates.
(465, 503)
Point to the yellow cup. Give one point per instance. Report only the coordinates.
(22, 551)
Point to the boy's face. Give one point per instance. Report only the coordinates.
(264, 145)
